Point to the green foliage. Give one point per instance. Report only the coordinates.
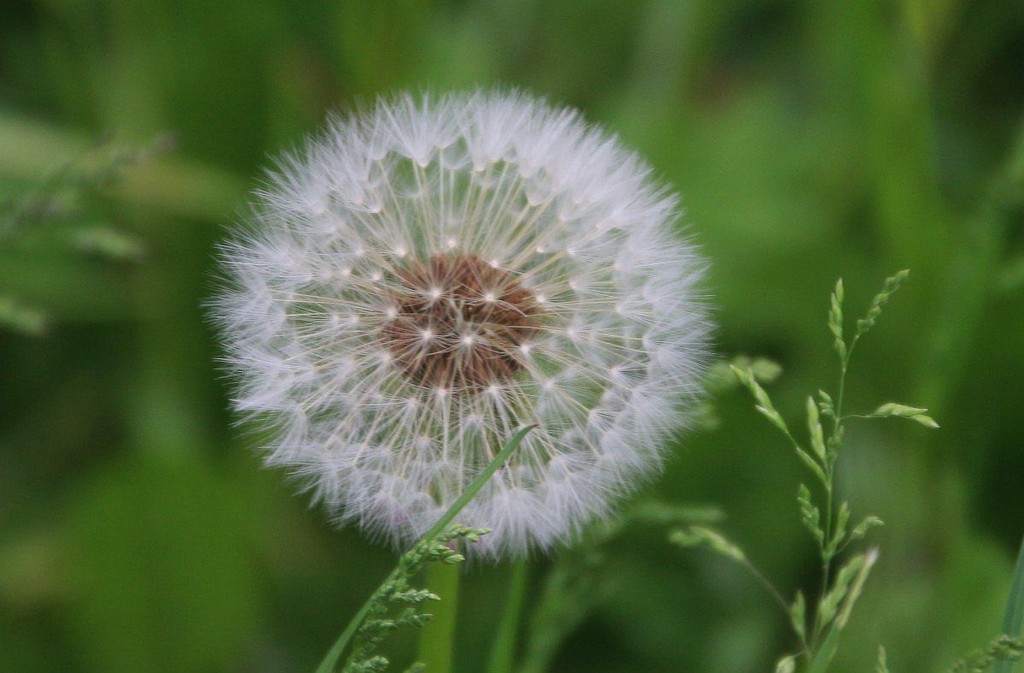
(67, 192)
(372, 624)
(827, 520)
(1002, 648)
(804, 137)
(397, 593)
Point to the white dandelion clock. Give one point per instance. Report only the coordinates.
(431, 275)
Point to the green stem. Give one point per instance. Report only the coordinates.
(826, 559)
(437, 637)
(772, 591)
(826, 564)
(503, 654)
(844, 366)
(330, 661)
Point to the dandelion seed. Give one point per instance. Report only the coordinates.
(499, 263)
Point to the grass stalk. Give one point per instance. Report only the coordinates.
(330, 661)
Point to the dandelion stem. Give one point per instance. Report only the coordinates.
(437, 637)
(503, 653)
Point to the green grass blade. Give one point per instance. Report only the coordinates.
(331, 660)
(477, 484)
(1013, 622)
(504, 650)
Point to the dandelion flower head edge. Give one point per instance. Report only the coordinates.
(431, 274)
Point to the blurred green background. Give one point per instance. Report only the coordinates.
(810, 139)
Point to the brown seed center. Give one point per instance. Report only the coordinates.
(461, 323)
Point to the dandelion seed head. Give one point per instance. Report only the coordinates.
(432, 274)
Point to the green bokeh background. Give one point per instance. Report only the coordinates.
(810, 139)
